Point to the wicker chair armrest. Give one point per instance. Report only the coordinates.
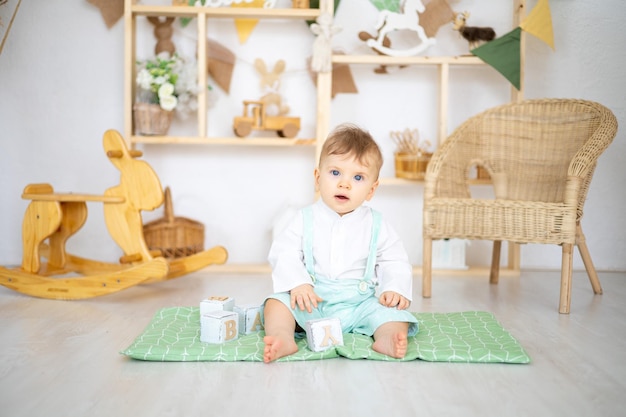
(446, 173)
(584, 161)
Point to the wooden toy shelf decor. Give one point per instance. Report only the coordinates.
(174, 237)
(135, 10)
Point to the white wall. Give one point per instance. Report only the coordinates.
(61, 83)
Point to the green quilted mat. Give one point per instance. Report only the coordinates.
(471, 336)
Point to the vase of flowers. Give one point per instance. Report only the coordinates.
(165, 85)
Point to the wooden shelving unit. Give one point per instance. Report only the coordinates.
(324, 88)
(132, 11)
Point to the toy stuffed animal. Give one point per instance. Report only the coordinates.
(474, 35)
(163, 33)
(270, 84)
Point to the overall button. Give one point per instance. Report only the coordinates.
(363, 287)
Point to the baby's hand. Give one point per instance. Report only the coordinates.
(393, 299)
(304, 296)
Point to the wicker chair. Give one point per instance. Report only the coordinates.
(541, 155)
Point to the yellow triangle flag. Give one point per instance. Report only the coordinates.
(539, 23)
(245, 26)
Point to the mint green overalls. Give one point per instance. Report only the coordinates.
(352, 301)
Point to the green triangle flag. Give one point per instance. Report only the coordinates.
(503, 54)
(391, 5)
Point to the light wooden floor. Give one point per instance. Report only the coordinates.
(61, 358)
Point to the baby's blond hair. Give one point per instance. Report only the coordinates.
(349, 139)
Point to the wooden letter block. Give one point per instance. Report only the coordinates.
(249, 318)
(322, 334)
(219, 326)
(216, 303)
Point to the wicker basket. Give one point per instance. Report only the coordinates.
(151, 119)
(175, 237)
(411, 167)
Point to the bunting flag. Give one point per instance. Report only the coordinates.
(539, 23)
(111, 10)
(245, 26)
(391, 5)
(220, 64)
(503, 54)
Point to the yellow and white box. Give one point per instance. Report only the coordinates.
(249, 318)
(215, 303)
(219, 326)
(323, 334)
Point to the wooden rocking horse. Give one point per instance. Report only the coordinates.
(57, 216)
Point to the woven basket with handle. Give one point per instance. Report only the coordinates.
(175, 237)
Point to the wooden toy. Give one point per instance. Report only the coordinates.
(474, 35)
(163, 33)
(219, 326)
(249, 318)
(323, 334)
(389, 21)
(217, 303)
(270, 86)
(55, 217)
(255, 118)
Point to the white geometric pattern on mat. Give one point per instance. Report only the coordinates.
(457, 337)
(174, 335)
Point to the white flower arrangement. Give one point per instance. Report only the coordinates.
(169, 82)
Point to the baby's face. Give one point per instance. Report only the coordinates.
(344, 183)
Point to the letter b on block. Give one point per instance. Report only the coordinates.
(230, 330)
(219, 326)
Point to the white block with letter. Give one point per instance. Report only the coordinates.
(216, 303)
(219, 326)
(323, 334)
(249, 318)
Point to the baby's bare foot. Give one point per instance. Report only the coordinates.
(276, 348)
(395, 345)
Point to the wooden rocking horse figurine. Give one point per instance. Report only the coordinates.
(58, 216)
(407, 20)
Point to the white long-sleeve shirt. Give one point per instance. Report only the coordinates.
(340, 251)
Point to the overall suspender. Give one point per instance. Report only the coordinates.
(308, 243)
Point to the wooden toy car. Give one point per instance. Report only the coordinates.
(255, 118)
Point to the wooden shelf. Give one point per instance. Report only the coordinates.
(203, 14)
(225, 12)
(407, 60)
(231, 141)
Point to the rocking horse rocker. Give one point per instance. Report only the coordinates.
(407, 20)
(57, 216)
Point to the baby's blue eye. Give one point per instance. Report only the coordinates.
(358, 177)
(334, 172)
